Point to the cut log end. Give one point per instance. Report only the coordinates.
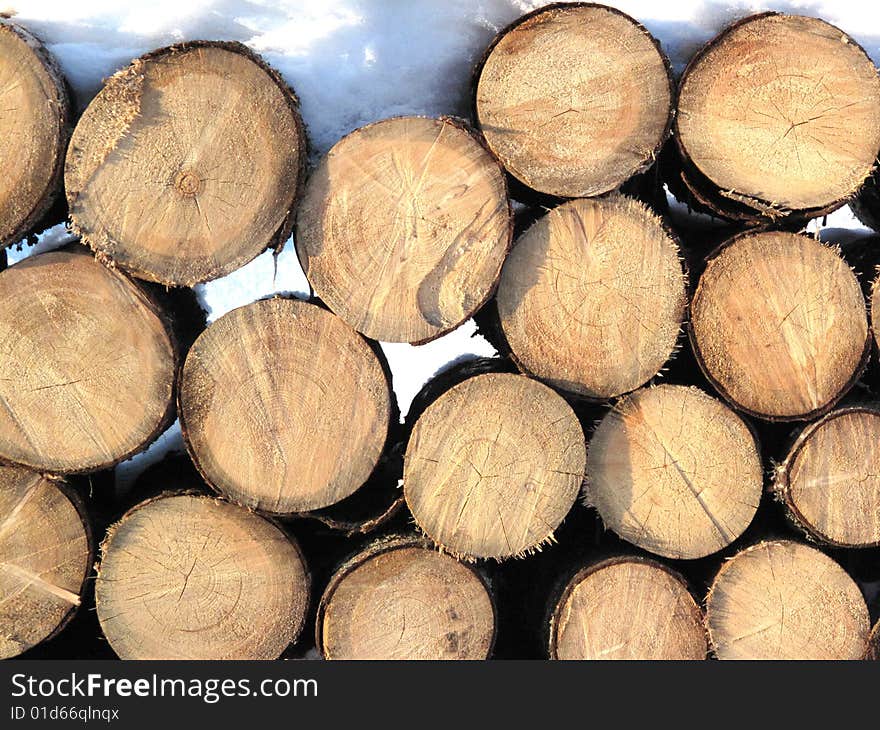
(674, 471)
(592, 297)
(574, 99)
(778, 324)
(34, 128)
(404, 226)
(784, 600)
(628, 609)
(191, 577)
(400, 599)
(493, 466)
(45, 556)
(781, 111)
(830, 480)
(873, 652)
(187, 163)
(284, 407)
(88, 372)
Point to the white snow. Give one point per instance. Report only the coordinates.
(356, 61)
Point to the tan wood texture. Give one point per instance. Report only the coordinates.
(592, 297)
(404, 226)
(627, 609)
(45, 556)
(873, 652)
(34, 119)
(574, 99)
(778, 324)
(784, 110)
(784, 600)
(187, 163)
(493, 466)
(285, 408)
(674, 471)
(191, 577)
(399, 599)
(830, 480)
(88, 367)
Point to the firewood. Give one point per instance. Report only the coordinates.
(400, 599)
(493, 466)
(778, 115)
(784, 600)
(187, 164)
(873, 652)
(284, 407)
(674, 471)
(574, 99)
(34, 129)
(627, 608)
(778, 325)
(46, 553)
(88, 368)
(830, 480)
(404, 226)
(191, 577)
(592, 297)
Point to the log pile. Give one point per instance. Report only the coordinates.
(673, 456)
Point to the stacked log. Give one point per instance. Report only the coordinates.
(639, 419)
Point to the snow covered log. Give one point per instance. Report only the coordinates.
(779, 326)
(574, 99)
(401, 599)
(674, 471)
(829, 480)
(778, 116)
(493, 466)
(592, 297)
(185, 576)
(785, 600)
(88, 372)
(46, 553)
(404, 226)
(628, 608)
(35, 118)
(187, 164)
(284, 407)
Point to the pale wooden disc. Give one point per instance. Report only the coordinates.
(674, 471)
(784, 600)
(285, 408)
(779, 324)
(627, 608)
(782, 108)
(592, 296)
(831, 478)
(191, 577)
(187, 163)
(87, 375)
(403, 228)
(400, 600)
(493, 466)
(45, 555)
(33, 131)
(574, 99)
(873, 652)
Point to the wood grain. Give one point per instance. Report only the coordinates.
(627, 609)
(399, 599)
(493, 466)
(592, 297)
(574, 99)
(784, 600)
(88, 371)
(674, 471)
(186, 165)
(404, 226)
(191, 577)
(285, 408)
